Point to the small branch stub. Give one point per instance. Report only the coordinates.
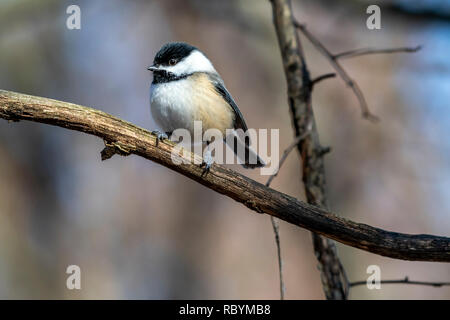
(112, 149)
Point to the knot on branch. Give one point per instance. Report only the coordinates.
(321, 151)
(251, 204)
(10, 117)
(112, 148)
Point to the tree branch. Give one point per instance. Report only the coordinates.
(367, 51)
(321, 78)
(341, 71)
(276, 231)
(300, 86)
(283, 158)
(275, 226)
(333, 59)
(404, 281)
(125, 138)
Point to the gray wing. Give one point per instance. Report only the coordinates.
(239, 122)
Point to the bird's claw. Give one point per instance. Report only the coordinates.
(206, 169)
(160, 136)
(207, 163)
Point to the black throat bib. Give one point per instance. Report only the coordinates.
(163, 76)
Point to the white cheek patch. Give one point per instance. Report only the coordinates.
(195, 62)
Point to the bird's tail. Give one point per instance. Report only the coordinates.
(248, 158)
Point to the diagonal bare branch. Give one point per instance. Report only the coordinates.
(367, 51)
(126, 138)
(321, 78)
(285, 154)
(404, 281)
(340, 71)
(275, 226)
(333, 59)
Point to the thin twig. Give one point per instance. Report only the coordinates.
(275, 226)
(321, 78)
(286, 152)
(341, 72)
(276, 231)
(404, 281)
(333, 58)
(367, 51)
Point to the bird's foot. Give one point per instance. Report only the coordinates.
(160, 136)
(208, 160)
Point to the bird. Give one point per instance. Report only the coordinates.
(186, 88)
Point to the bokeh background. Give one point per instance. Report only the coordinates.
(139, 230)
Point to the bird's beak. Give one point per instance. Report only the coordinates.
(153, 68)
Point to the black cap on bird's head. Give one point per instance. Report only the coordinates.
(171, 53)
(178, 60)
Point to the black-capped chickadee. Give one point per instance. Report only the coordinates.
(187, 88)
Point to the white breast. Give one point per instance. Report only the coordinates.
(171, 104)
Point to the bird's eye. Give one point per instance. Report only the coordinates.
(172, 62)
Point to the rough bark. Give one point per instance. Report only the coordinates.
(334, 280)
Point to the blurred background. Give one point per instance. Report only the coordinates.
(139, 230)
